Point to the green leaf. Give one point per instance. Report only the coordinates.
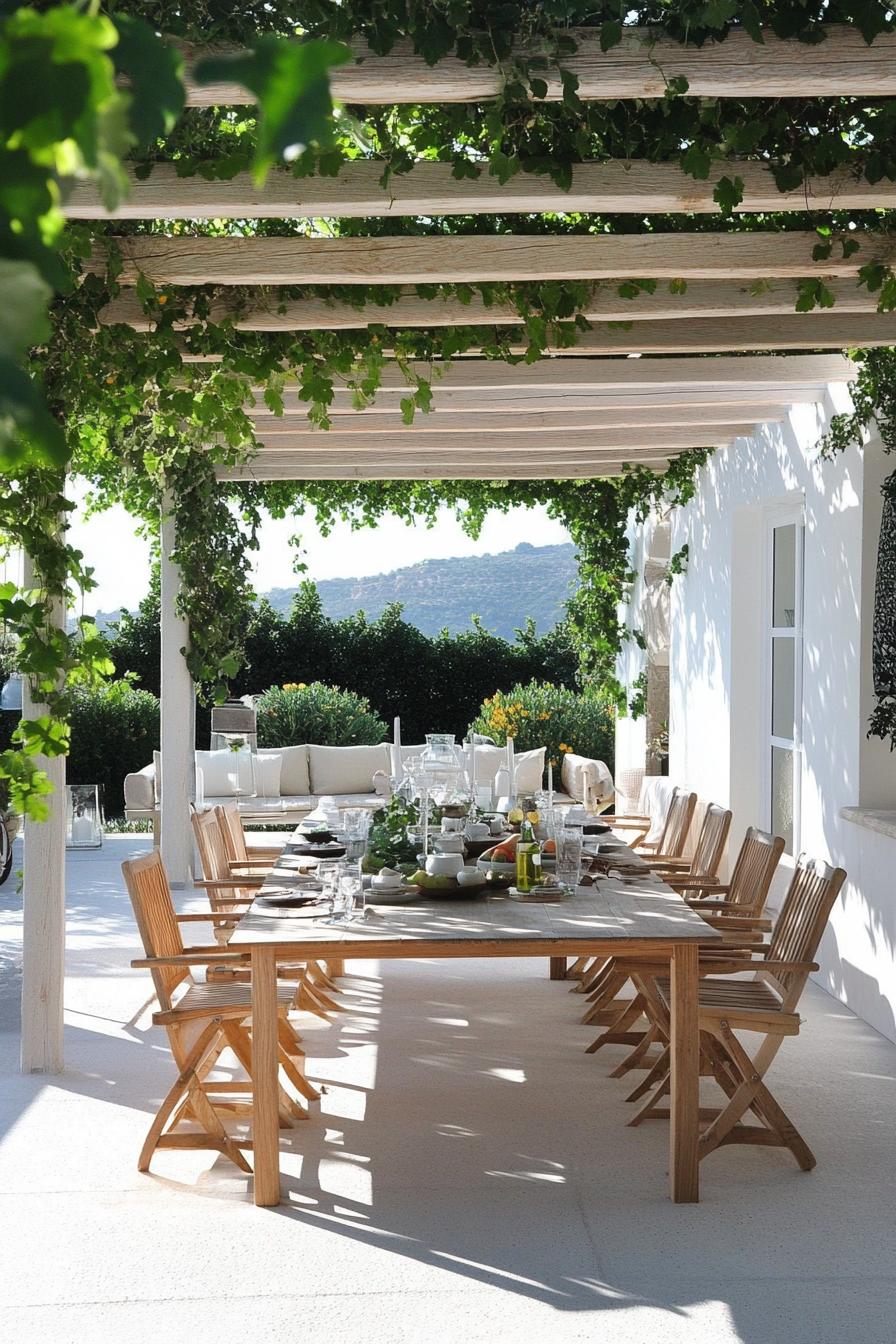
(678, 286)
(538, 88)
(408, 407)
(728, 193)
(154, 71)
(291, 82)
(697, 161)
(29, 434)
(23, 313)
(610, 34)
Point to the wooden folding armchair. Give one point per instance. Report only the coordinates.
(674, 833)
(239, 856)
(739, 917)
(765, 1005)
(708, 852)
(202, 1021)
(230, 892)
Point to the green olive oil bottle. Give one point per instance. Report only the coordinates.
(528, 858)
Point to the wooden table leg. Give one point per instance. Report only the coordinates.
(558, 968)
(685, 1076)
(265, 1113)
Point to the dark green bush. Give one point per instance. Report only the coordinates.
(114, 732)
(435, 684)
(538, 714)
(321, 714)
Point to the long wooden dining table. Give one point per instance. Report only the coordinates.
(628, 916)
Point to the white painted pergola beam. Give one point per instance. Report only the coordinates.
(505, 443)
(177, 713)
(283, 467)
(43, 931)
(638, 67)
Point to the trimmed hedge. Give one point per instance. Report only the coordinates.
(435, 683)
(321, 714)
(114, 732)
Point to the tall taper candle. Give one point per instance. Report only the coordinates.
(510, 769)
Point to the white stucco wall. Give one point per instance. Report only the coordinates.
(718, 741)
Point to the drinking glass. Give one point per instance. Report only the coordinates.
(356, 822)
(569, 854)
(328, 871)
(351, 890)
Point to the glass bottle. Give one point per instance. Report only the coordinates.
(528, 858)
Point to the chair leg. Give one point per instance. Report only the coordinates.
(634, 1058)
(179, 1091)
(290, 1066)
(618, 1031)
(241, 1045)
(752, 1094)
(660, 1070)
(649, 1109)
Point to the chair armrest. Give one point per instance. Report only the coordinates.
(668, 862)
(198, 956)
(705, 884)
(210, 884)
(257, 866)
(194, 918)
(734, 965)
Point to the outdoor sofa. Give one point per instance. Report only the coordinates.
(289, 782)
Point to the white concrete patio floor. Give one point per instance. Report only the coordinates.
(467, 1177)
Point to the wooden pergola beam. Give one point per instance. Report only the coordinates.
(505, 443)
(738, 374)
(640, 66)
(286, 467)
(701, 299)
(450, 404)
(615, 187)
(521, 422)
(468, 258)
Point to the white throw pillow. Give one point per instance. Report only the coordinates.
(528, 770)
(294, 781)
(220, 770)
(268, 769)
(346, 769)
(489, 761)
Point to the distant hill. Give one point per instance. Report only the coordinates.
(502, 590)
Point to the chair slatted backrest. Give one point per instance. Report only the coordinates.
(677, 824)
(215, 861)
(798, 929)
(756, 864)
(232, 834)
(147, 884)
(711, 843)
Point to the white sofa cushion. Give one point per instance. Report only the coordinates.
(346, 769)
(293, 767)
(268, 766)
(139, 791)
(220, 771)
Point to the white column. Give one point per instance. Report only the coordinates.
(43, 934)
(177, 713)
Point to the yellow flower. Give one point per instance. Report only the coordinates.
(542, 716)
(564, 747)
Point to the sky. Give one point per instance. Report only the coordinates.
(121, 559)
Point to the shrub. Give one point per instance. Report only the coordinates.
(325, 715)
(114, 732)
(540, 715)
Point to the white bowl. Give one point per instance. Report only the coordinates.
(469, 877)
(452, 843)
(444, 865)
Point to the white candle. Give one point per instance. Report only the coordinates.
(396, 748)
(424, 803)
(510, 769)
(473, 767)
(550, 783)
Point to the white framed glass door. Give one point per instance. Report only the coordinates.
(783, 656)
